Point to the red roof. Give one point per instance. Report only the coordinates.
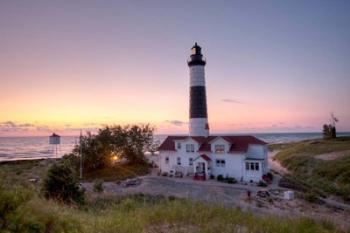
(205, 157)
(238, 143)
(169, 144)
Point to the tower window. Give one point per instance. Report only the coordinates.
(166, 160)
(190, 162)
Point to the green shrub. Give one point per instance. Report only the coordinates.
(292, 183)
(261, 184)
(231, 180)
(62, 184)
(312, 197)
(98, 186)
(269, 175)
(164, 174)
(220, 178)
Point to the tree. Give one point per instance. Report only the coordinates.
(132, 141)
(333, 131)
(129, 142)
(326, 131)
(62, 184)
(329, 130)
(95, 149)
(154, 147)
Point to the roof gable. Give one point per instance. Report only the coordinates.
(203, 156)
(218, 138)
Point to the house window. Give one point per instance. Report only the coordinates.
(178, 160)
(190, 162)
(256, 166)
(252, 166)
(220, 163)
(189, 147)
(219, 149)
(178, 145)
(166, 160)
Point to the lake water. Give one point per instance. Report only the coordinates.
(15, 148)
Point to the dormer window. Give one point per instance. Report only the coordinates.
(190, 148)
(219, 149)
(178, 145)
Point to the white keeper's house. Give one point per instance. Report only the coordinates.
(202, 155)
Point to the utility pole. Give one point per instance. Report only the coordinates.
(81, 155)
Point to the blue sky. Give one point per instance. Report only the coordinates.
(64, 65)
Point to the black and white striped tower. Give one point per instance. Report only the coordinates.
(198, 125)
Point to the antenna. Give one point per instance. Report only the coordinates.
(81, 154)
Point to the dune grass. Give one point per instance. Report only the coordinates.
(22, 171)
(330, 177)
(140, 213)
(19, 172)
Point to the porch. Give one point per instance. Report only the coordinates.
(202, 167)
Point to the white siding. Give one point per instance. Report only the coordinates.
(251, 174)
(173, 155)
(166, 167)
(234, 162)
(233, 165)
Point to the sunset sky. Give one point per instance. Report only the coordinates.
(272, 66)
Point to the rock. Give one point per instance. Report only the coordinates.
(263, 194)
(132, 182)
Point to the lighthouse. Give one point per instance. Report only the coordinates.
(196, 154)
(198, 125)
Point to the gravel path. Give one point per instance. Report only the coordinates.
(274, 164)
(230, 195)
